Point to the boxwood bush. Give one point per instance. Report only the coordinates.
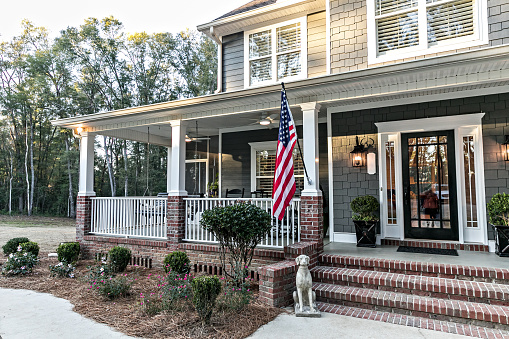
(498, 209)
(30, 247)
(177, 262)
(205, 292)
(365, 208)
(68, 252)
(119, 258)
(12, 245)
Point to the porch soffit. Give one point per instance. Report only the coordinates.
(466, 74)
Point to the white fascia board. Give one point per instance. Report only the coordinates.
(171, 108)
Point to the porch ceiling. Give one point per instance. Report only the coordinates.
(467, 74)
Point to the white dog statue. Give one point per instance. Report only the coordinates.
(304, 297)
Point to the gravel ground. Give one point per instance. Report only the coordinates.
(48, 232)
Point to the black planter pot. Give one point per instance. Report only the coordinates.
(366, 233)
(501, 240)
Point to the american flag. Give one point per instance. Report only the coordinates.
(284, 180)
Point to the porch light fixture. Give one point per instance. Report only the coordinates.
(358, 154)
(77, 132)
(505, 148)
(265, 122)
(188, 139)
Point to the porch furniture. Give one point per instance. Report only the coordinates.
(235, 193)
(260, 194)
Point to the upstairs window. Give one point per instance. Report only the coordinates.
(275, 53)
(406, 28)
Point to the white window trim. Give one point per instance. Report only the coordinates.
(272, 28)
(261, 146)
(480, 36)
(466, 124)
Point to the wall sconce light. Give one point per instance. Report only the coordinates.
(358, 154)
(505, 148)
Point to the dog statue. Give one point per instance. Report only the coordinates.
(304, 297)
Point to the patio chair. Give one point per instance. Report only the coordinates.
(234, 193)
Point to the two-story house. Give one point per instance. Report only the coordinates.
(422, 84)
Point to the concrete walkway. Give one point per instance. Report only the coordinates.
(27, 314)
(329, 326)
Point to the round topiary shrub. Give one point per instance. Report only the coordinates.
(68, 252)
(498, 209)
(12, 245)
(205, 292)
(119, 258)
(177, 262)
(30, 247)
(364, 208)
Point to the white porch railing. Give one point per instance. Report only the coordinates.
(143, 217)
(285, 232)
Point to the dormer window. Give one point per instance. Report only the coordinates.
(275, 53)
(407, 28)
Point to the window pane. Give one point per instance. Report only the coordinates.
(288, 65)
(397, 32)
(450, 20)
(259, 44)
(288, 37)
(391, 183)
(265, 163)
(388, 6)
(260, 70)
(470, 193)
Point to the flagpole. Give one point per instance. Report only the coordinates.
(298, 143)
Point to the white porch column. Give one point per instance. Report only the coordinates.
(168, 170)
(86, 181)
(178, 158)
(310, 147)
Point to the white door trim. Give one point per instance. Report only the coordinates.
(465, 124)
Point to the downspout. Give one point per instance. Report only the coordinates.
(219, 42)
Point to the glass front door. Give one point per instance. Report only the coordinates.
(429, 185)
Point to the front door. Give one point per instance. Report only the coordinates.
(429, 185)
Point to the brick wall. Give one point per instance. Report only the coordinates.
(83, 216)
(349, 182)
(176, 219)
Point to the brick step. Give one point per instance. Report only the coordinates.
(418, 322)
(474, 291)
(448, 310)
(487, 274)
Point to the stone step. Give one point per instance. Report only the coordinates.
(451, 271)
(478, 314)
(418, 322)
(474, 291)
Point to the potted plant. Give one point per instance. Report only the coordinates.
(213, 187)
(498, 210)
(365, 219)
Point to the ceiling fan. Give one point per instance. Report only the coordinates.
(196, 137)
(267, 120)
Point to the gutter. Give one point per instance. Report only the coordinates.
(219, 41)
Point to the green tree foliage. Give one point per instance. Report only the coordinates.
(95, 67)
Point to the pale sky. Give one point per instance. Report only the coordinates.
(143, 15)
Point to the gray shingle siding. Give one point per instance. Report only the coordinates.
(236, 156)
(348, 182)
(233, 62)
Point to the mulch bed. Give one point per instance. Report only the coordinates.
(126, 315)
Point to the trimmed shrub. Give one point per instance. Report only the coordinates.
(177, 262)
(498, 209)
(114, 287)
(364, 208)
(68, 252)
(119, 258)
(205, 292)
(12, 245)
(238, 228)
(19, 263)
(31, 247)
